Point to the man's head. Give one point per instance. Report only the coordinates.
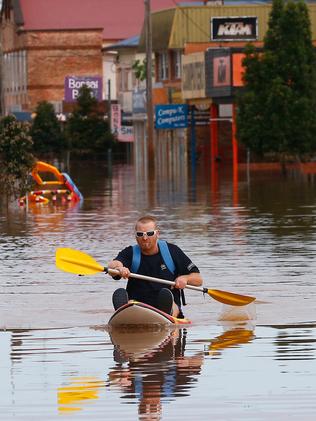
(147, 233)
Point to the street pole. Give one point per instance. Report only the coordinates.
(2, 111)
(109, 105)
(149, 100)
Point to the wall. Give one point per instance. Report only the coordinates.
(50, 56)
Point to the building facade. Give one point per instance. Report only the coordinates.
(43, 42)
(199, 62)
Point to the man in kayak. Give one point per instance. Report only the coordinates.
(155, 258)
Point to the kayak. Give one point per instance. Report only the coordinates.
(136, 313)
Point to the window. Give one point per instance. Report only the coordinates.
(177, 64)
(126, 79)
(163, 68)
(14, 72)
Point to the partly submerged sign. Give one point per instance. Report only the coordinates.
(171, 116)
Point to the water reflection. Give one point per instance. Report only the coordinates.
(295, 343)
(230, 338)
(153, 374)
(150, 375)
(286, 205)
(154, 368)
(74, 395)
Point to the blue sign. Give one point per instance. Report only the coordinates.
(171, 116)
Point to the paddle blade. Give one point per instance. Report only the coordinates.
(230, 298)
(77, 262)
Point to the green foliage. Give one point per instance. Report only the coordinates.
(86, 129)
(140, 69)
(277, 109)
(46, 130)
(16, 156)
(273, 38)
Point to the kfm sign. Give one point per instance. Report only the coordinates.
(74, 83)
(234, 28)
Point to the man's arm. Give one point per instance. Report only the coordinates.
(193, 278)
(120, 263)
(190, 274)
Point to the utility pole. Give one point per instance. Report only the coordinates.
(1, 81)
(149, 100)
(109, 105)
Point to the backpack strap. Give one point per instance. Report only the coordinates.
(165, 253)
(136, 258)
(166, 256)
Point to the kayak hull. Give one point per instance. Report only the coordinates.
(135, 313)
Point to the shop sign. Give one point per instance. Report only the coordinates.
(126, 134)
(171, 116)
(244, 28)
(116, 119)
(218, 72)
(193, 76)
(74, 83)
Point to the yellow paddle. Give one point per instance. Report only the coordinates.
(80, 263)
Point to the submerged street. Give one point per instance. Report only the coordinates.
(255, 238)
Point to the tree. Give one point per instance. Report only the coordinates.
(16, 156)
(46, 131)
(86, 129)
(277, 109)
(140, 69)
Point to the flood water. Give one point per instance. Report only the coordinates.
(58, 359)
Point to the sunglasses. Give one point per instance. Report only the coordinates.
(147, 233)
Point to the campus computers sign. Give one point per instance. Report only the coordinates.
(171, 116)
(74, 83)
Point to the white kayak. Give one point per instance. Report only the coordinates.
(135, 313)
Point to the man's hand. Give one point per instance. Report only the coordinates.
(123, 271)
(181, 282)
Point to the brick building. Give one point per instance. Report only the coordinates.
(43, 41)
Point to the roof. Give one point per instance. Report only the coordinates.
(174, 28)
(119, 19)
(125, 43)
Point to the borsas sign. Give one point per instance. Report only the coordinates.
(243, 28)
